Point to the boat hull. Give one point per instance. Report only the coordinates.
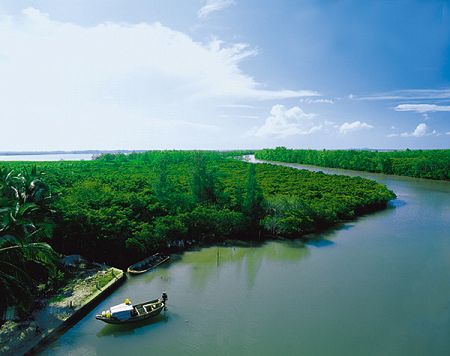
(135, 270)
(134, 319)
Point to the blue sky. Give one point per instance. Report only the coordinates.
(222, 74)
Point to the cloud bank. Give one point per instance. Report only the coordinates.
(114, 83)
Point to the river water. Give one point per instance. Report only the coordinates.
(379, 285)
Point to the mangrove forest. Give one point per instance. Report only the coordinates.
(119, 208)
(432, 164)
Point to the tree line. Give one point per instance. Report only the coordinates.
(432, 164)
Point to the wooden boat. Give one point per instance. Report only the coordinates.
(147, 264)
(127, 313)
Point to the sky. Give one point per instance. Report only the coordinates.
(224, 74)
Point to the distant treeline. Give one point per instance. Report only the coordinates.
(120, 208)
(432, 164)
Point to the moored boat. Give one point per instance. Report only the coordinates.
(127, 313)
(147, 264)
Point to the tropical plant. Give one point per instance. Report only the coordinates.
(25, 205)
(16, 260)
(24, 221)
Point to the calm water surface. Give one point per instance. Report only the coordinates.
(379, 285)
(48, 157)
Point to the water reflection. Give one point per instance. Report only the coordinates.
(132, 328)
(207, 262)
(163, 272)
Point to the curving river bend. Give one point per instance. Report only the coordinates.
(379, 285)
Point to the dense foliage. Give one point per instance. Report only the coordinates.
(25, 224)
(433, 164)
(120, 208)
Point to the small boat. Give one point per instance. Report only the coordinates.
(127, 313)
(147, 264)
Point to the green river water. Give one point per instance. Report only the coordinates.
(379, 285)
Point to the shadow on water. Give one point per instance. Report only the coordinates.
(396, 203)
(128, 329)
(325, 237)
(319, 243)
(341, 227)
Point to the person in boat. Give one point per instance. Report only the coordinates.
(126, 312)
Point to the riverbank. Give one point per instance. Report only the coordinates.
(72, 301)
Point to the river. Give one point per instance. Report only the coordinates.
(379, 285)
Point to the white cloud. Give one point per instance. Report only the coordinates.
(317, 101)
(284, 122)
(447, 133)
(420, 131)
(421, 108)
(65, 81)
(407, 94)
(347, 127)
(213, 6)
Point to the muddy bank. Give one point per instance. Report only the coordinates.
(79, 295)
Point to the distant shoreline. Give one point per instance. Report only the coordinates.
(97, 152)
(37, 153)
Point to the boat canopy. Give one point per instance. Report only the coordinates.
(121, 311)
